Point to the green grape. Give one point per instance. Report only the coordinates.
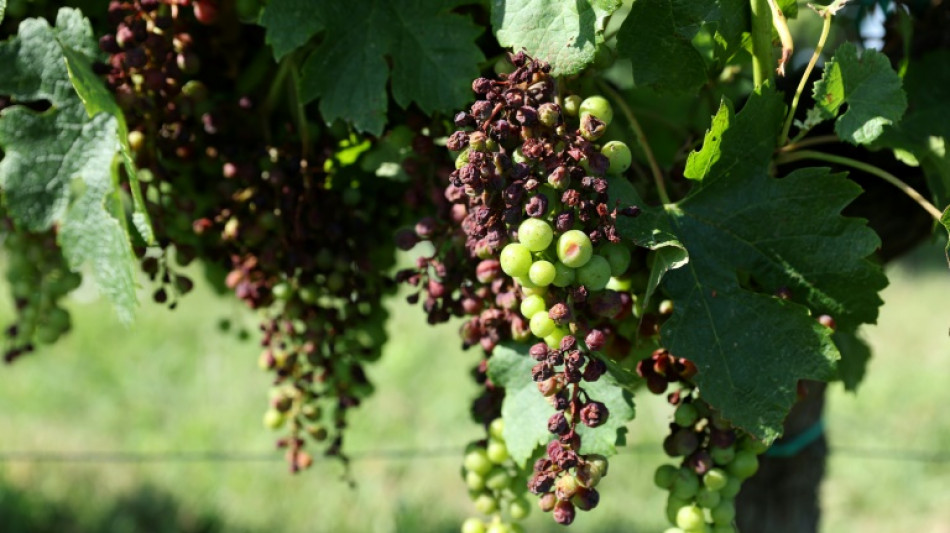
(519, 508)
(473, 525)
(553, 340)
(485, 503)
(308, 295)
(498, 527)
(690, 517)
(731, 489)
(715, 479)
(572, 105)
(673, 505)
(574, 248)
(724, 513)
(618, 255)
(497, 479)
(755, 446)
(673, 530)
(533, 305)
(535, 234)
(282, 291)
(594, 274)
(563, 275)
(497, 428)
(541, 325)
(665, 475)
(685, 415)
(477, 461)
(542, 273)
(707, 498)
(599, 107)
(515, 259)
(686, 483)
(724, 528)
(619, 284)
(274, 419)
(474, 481)
(744, 465)
(497, 451)
(618, 153)
(723, 456)
(462, 159)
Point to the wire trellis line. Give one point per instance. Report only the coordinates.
(405, 454)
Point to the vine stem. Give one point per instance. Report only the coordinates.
(810, 141)
(825, 30)
(641, 136)
(870, 169)
(761, 42)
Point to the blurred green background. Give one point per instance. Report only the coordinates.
(176, 383)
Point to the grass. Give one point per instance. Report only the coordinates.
(176, 383)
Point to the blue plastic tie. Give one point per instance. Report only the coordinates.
(795, 445)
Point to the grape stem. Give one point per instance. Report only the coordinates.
(811, 141)
(865, 167)
(641, 137)
(825, 30)
(761, 42)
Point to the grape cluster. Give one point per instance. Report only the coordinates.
(717, 457)
(39, 278)
(263, 197)
(493, 481)
(530, 211)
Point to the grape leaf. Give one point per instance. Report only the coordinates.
(700, 161)
(925, 129)
(57, 168)
(565, 33)
(656, 36)
(290, 24)
(432, 51)
(751, 348)
(526, 411)
(870, 88)
(97, 98)
(855, 354)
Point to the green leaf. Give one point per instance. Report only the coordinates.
(870, 88)
(290, 24)
(924, 131)
(526, 411)
(432, 51)
(750, 347)
(656, 36)
(58, 164)
(97, 98)
(701, 161)
(855, 354)
(565, 33)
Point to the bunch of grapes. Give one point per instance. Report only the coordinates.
(530, 212)
(494, 484)
(263, 198)
(717, 457)
(39, 278)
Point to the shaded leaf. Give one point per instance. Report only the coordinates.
(870, 88)
(290, 24)
(432, 52)
(855, 354)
